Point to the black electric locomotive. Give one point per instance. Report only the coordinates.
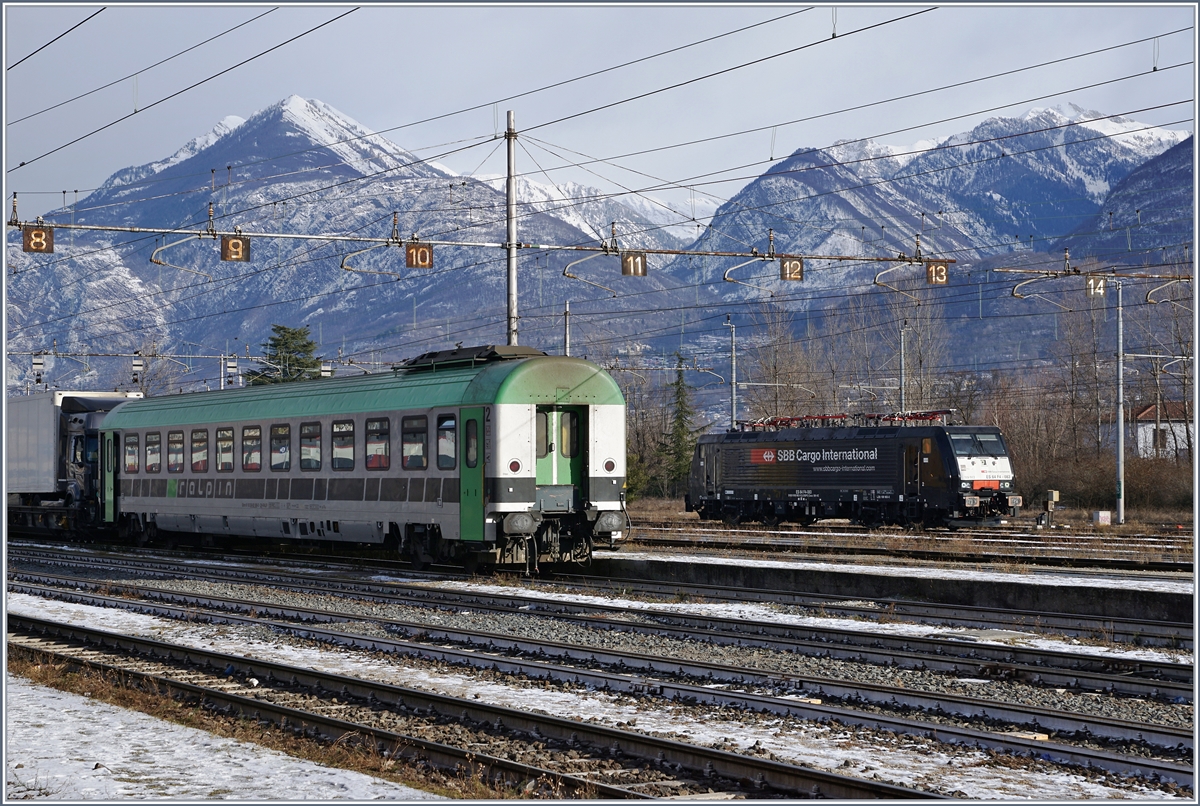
(890, 472)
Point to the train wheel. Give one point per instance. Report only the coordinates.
(732, 518)
(770, 520)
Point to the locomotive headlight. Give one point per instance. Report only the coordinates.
(609, 465)
(966, 485)
(514, 466)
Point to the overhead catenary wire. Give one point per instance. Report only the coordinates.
(553, 85)
(55, 39)
(180, 92)
(141, 71)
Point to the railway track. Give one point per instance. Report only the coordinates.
(961, 653)
(1133, 631)
(573, 756)
(1015, 546)
(881, 707)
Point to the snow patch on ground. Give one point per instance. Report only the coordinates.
(911, 762)
(61, 746)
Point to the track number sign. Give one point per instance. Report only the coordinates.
(633, 264)
(791, 268)
(37, 239)
(235, 247)
(418, 256)
(1095, 286)
(936, 272)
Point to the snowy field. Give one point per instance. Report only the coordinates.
(63, 746)
(53, 745)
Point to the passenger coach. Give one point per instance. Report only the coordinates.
(477, 455)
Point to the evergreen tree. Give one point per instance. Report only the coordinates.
(681, 440)
(288, 356)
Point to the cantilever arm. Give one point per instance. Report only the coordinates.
(1038, 296)
(892, 287)
(368, 271)
(567, 272)
(1160, 288)
(729, 279)
(154, 258)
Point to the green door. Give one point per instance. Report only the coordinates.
(470, 510)
(561, 445)
(108, 466)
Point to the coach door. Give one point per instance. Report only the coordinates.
(560, 446)
(108, 466)
(470, 510)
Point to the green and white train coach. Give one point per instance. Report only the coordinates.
(488, 455)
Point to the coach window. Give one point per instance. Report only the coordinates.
(174, 451)
(342, 457)
(568, 444)
(310, 446)
(543, 436)
(252, 448)
(200, 451)
(281, 447)
(131, 453)
(414, 436)
(472, 457)
(378, 445)
(224, 450)
(154, 453)
(447, 436)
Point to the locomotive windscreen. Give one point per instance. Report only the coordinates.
(978, 445)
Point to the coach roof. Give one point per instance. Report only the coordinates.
(547, 380)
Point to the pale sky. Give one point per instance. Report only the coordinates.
(389, 66)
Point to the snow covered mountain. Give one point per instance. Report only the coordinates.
(1149, 210)
(303, 168)
(1028, 180)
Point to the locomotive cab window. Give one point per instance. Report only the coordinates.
(342, 457)
(378, 445)
(446, 437)
(281, 447)
(568, 442)
(224, 450)
(310, 446)
(131, 453)
(174, 451)
(414, 437)
(200, 451)
(154, 453)
(252, 449)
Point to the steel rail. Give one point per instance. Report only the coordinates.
(736, 767)
(1163, 736)
(1137, 631)
(1037, 666)
(1123, 630)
